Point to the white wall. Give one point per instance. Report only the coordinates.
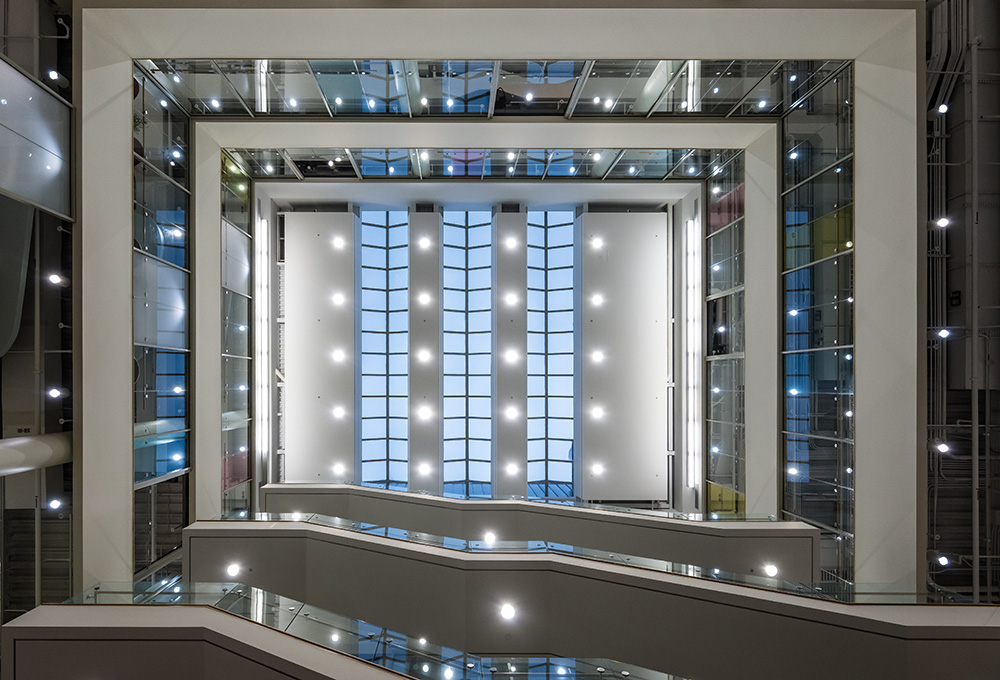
(316, 327)
(631, 328)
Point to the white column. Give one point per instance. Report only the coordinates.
(761, 300)
(319, 346)
(624, 316)
(103, 458)
(206, 332)
(510, 331)
(888, 342)
(425, 342)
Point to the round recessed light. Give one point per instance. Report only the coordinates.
(510, 356)
(423, 355)
(339, 242)
(424, 469)
(597, 469)
(424, 298)
(511, 469)
(597, 299)
(771, 570)
(507, 611)
(338, 469)
(489, 538)
(510, 299)
(597, 412)
(511, 412)
(55, 504)
(339, 411)
(338, 299)
(424, 155)
(424, 413)
(423, 101)
(597, 356)
(233, 570)
(528, 96)
(510, 242)
(338, 355)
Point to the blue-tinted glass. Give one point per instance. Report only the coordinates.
(159, 455)
(384, 336)
(550, 344)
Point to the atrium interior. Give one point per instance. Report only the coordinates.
(602, 308)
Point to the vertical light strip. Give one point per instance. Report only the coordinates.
(262, 351)
(692, 328)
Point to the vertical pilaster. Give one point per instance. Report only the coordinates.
(510, 266)
(425, 464)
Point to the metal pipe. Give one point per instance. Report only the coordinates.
(975, 372)
(39, 403)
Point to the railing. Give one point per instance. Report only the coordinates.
(844, 592)
(392, 650)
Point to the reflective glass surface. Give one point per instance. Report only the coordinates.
(536, 87)
(201, 87)
(159, 303)
(724, 259)
(819, 130)
(819, 216)
(160, 380)
(819, 305)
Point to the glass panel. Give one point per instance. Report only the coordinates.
(384, 349)
(819, 393)
(625, 86)
(34, 142)
(199, 86)
(171, 514)
(159, 220)
(724, 258)
(160, 389)
(159, 129)
(724, 323)
(160, 455)
(550, 239)
(818, 132)
(236, 258)
(819, 480)
(142, 528)
(726, 194)
(235, 195)
(453, 86)
(236, 388)
(819, 217)
(536, 87)
(159, 303)
(235, 324)
(819, 304)
(466, 240)
(364, 86)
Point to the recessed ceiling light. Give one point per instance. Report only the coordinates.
(425, 413)
(597, 412)
(450, 103)
(770, 570)
(510, 299)
(424, 242)
(631, 169)
(597, 100)
(597, 299)
(762, 103)
(338, 469)
(511, 155)
(597, 356)
(371, 103)
(424, 469)
(423, 355)
(293, 103)
(338, 355)
(423, 101)
(424, 156)
(338, 299)
(339, 242)
(510, 242)
(338, 411)
(510, 412)
(424, 298)
(510, 356)
(163, 103)
(215, 103)
(528, 96)
(511, 468)
(233, 570)
(338, 101)
(507, 611)
(608, 103)
(597, 469)
(596, 157)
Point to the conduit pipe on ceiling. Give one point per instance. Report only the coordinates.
(22, 454)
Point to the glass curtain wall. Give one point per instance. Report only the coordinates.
(160, 323)
(818, 294)
(384, 348)
(724, 322)
(237, 307)
(467, 340)
(551, 353)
